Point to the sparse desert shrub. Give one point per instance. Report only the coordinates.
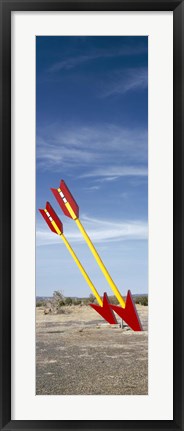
(61, 311)
(68, 301)
(91, 298)
(85, 301)
(142, 300)
(113, 300)
(58, 298)
(77, 301)
(40, 304)
(47, 311)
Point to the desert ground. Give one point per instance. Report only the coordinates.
(78, 353)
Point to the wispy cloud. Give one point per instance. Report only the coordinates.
(115, 172)
(92, 188)
(71, 62)
(100, 231)
(124, 81)
(116, 150)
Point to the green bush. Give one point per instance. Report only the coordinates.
(91, 298)
(142, 300)
(85, 301)
(58, 298)
(113, 300)
(68, 301)
(40, 304)
(76, 301)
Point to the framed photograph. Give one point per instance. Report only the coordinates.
(91, 215)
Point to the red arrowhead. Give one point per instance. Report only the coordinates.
(105, 311)
(129, 313)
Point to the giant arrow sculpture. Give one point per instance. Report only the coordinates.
(127, 311)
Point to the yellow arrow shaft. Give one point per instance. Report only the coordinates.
(101, 264)
(77, 261)
(82, 270)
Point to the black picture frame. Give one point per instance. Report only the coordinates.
(6, 7)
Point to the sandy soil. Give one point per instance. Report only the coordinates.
(78, 353)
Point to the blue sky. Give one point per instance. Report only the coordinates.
(91, 131)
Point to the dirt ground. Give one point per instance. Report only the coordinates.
(77, 353)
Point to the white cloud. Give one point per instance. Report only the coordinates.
(112, 148)
(73, 61)
(91, 188)
(115, 172)
(123, 81)
(100, 231)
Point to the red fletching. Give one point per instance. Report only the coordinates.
(54, 216)
(44, 215)
(70, 199)
(60, 202)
